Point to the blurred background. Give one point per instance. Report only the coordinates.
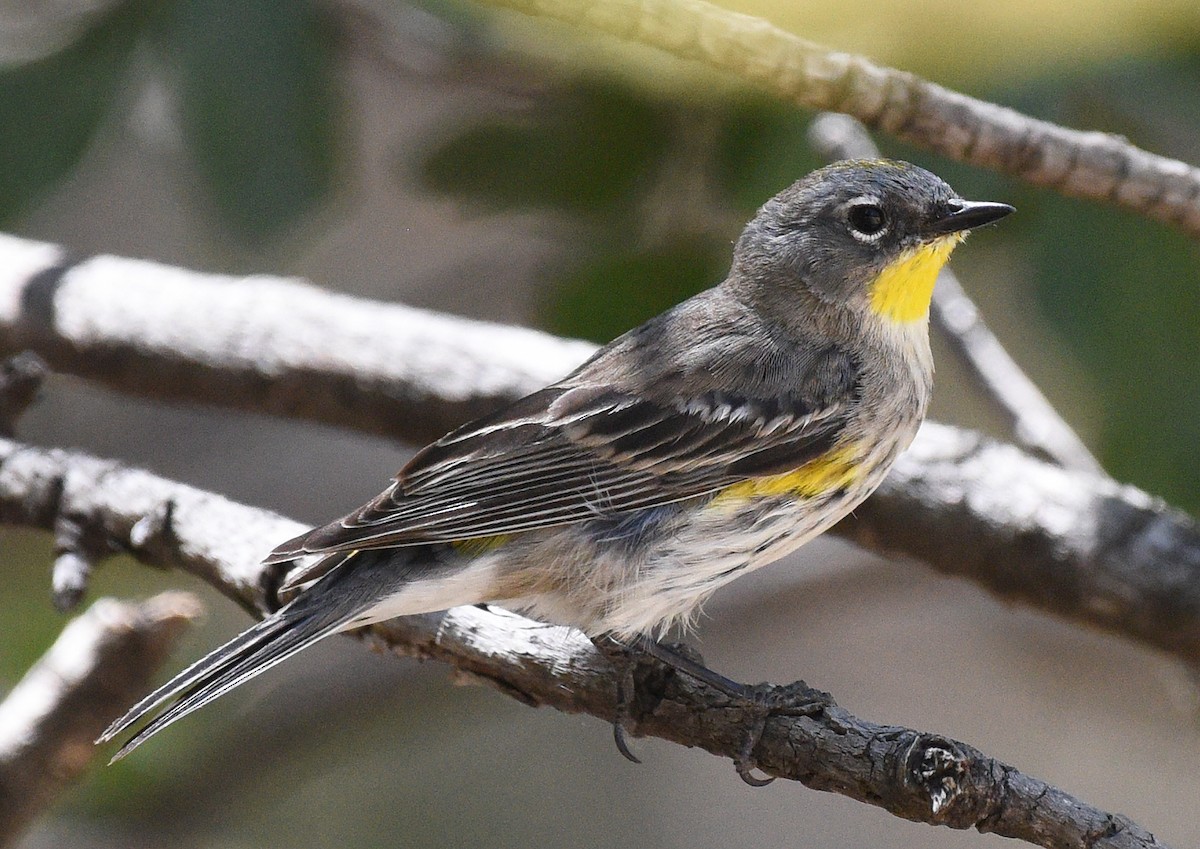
(451, 156)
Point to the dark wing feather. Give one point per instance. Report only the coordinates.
(568, 454)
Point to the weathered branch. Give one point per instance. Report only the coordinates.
(1034, 422)
(918, 776)
(267, 344)
(104, 660)
(1090, 165)
(1069, 543)
(1078, 545)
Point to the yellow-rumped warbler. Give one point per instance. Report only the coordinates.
(709, 441)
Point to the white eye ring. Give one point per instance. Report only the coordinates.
(869, 214)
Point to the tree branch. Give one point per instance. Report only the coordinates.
(103, 661)
(1080, 546)
(1090, 165)
(1034, 422)
(268, 344)
(918, 776)
(1066, 542)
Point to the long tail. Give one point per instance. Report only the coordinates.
(314, 615)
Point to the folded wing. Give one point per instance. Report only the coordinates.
(573, 452)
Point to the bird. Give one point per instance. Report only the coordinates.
(711, 440)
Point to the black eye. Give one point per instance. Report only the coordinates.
(867, 218)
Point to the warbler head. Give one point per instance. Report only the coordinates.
(866, 235)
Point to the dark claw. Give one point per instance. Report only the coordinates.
(622, 658)
(622, 742)
(744, 763)
(625, 687)
(761, 703)
(746, 773)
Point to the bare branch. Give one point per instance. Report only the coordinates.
(103, 660)
(919, 776)
(267, 344)
(1090, 165)
(1034, 422)
(1069, 543)
(1080, 546)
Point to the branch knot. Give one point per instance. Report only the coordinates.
(937, 766)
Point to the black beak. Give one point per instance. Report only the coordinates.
(962, 215)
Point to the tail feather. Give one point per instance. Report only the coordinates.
(255, 650)
(190, 676)
(347, 587)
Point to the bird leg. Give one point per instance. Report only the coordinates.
(755, 699)
(675, 657)
(761, 701)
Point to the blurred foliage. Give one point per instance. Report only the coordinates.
(762, 147)
(1123, 292)
(974, 45)
(28, 629)
(51, 108)
(617, 290)
(256, 106)
(584, 150)
(597, 152)
(251, 86)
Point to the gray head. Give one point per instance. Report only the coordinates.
(859, 233)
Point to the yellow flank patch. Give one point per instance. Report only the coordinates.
(834, 470)
(902, 290)
(479, 545)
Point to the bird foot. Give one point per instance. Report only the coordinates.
(760, 702)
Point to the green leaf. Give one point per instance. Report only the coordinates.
(585, 150)
(605, 297)
(50, 109)
(762, 149)
(257, 108)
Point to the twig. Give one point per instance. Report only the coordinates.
(1128, 564)
(21, 377)
(1034, 422)
(103, 660)
(1091, 165)
(919, 776)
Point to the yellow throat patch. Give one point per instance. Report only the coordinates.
(902, 291)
